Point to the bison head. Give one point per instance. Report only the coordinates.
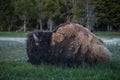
(38, 46)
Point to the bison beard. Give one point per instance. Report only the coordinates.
(70, 43)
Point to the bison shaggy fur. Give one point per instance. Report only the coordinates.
(70, 43)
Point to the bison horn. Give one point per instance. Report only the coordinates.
(35, 37)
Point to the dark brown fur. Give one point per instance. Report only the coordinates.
(70, 43)
(38, 52)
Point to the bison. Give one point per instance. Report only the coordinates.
(70, 43)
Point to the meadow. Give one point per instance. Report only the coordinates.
(24, 34)
(13, 34)
(14, 66)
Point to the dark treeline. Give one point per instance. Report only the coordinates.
(22, 15)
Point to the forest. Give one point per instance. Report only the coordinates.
(28, 15)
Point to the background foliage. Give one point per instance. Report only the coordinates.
(37, 14)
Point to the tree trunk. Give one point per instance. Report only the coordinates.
(68, 3)
(40, 23)
(90, 15)
(87, 14)
(11, 23)
(109, 28)
(24, 25)
(68, 18)
(50, 24)
(58, 6)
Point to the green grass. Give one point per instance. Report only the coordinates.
(11, 70)
(108, 34)
(14, 66)
(23, 34)
(13, 34)
(12, 50)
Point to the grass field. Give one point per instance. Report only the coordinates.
(108, 34)
(13, 34)
(14, 66)
(12, 70)
(24, 34)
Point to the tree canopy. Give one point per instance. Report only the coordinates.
(47, 14)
